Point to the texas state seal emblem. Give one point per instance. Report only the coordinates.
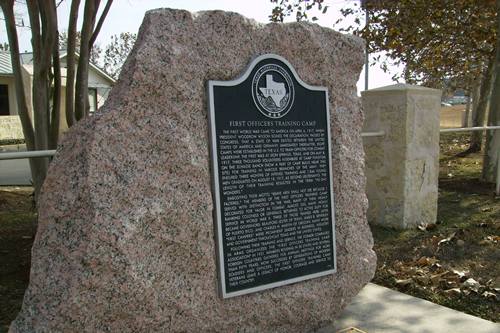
(272, 91)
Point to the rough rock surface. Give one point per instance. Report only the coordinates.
(125, 240)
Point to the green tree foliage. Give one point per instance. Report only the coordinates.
(434, 39)
(438, 41)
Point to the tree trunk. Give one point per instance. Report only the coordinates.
(99, 24)
(43, 41)
(42, 133)
(492, 149)
(467, 109)
(475, 98)
(56, 99)
(81, 87)
(480, 114)
(37, 165)
(70, 63)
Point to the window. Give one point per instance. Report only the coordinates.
(92, 100)
(4, 100)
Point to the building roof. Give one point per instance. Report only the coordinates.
(27, 59)
(5, 63)
(96, 68)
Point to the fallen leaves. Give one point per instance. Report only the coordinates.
(490, 240)
(457, 236)
(447, 239)
(427, 226)
(461, 274)
(404, 282)
(436, 243)
(437, 278)
(426, 261)
(472, 284)
(490, 295)
(453, 292)
(468, 214)
(432, 246)
(427, 273)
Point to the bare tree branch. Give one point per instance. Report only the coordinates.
(56, 96)
(40, 76)
(81, 86)
(70, 63)
(100, 22)
(33, 13)
(48, 18)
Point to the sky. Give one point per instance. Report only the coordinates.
(127, 15)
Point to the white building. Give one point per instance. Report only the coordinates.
(99, 84)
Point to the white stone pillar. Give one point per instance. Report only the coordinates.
(402, 167)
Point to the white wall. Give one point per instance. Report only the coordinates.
(103, 86)
(9, 81)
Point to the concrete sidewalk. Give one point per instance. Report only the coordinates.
(381, 310)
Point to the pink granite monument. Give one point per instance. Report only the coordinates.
(125, 240)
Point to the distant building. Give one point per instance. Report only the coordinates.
(10, 125)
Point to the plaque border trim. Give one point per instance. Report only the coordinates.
(215, 179)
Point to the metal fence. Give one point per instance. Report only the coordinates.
(49, 153)
(27, 154)
(457, 129)
(468, 129)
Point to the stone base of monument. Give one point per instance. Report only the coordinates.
(125, 239)
(402, 167)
